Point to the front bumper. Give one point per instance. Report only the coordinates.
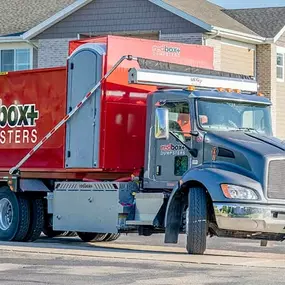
(250, 218)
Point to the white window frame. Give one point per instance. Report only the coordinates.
(18, 48)
(280, 50)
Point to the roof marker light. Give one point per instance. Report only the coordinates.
(191, 88)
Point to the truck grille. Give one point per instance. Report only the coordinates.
(276, 179)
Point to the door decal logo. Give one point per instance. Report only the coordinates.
(171, 149)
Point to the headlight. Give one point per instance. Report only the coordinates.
(238, 192)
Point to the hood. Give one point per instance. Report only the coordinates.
(273, 141)
(251, 141)
(244, 152)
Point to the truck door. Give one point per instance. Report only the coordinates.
(172, 159)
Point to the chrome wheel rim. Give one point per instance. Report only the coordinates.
(6, 214)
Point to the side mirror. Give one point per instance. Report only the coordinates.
(203, 119)
(161, 123)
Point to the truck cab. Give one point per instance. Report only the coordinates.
(196, 124)
(219, 146)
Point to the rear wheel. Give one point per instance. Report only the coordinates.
(87, 237)
(111, 237)
(91, 237)
(100, 237)
(48, 230)
(14, 215)
(69, 234)
(196, 221)
(36, 219)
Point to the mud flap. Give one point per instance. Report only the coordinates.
(173, 221)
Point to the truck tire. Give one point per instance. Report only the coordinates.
(100, 237)
(111, 237)
(48, 230)
(36, 220)
(196, 221)
(91, 237)
(14, 216)
(69, 234)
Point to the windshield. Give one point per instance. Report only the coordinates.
(226, 116)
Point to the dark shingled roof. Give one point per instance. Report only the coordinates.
(266, 22)
(209, 13)
(18, 16)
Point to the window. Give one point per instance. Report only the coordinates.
(179, 118)
(234, 116)
(280, 66)
(15, 59)
(180, 165)
(254, 119)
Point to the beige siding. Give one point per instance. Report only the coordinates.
(280, 109)
(237, 59)
(215, 43)
(280, 98)
(280, 95)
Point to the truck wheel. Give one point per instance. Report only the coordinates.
(14, 216)
(69, 234)
(100, 237)
(91, 237)
(111, 237)
(196, 221)
(37, 220)
(48, 230)
(87, 236)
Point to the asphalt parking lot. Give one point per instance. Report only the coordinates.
(140, 260)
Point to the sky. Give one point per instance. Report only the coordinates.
(232, 4)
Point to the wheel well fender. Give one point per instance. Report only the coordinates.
(208, 179)
(180, 195)
(176, 205)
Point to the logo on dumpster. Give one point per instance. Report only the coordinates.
(164, 50)
(17, 123)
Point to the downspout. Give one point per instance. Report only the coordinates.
(211, 37)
